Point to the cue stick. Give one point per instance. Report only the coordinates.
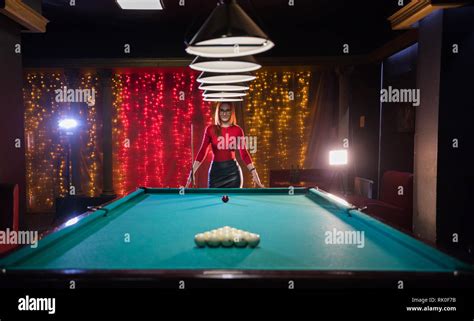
(192, 157)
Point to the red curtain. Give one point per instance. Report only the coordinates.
(153, 112)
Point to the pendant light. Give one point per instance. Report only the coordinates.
(229, 32)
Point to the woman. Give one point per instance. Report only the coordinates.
(225, 170)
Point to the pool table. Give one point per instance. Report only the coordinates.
(305, 233)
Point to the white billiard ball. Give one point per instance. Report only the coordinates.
(220, 236)
(253, 240)
(207, 236)
(239, 240)
(200, 240)
(227, 240)
(246, 235)
(213, 240)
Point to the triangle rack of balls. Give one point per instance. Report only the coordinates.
(227, 237)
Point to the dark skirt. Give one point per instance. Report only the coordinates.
(225, 174)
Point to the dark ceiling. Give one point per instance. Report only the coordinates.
(98, 28)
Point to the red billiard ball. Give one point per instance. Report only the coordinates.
(225, 198)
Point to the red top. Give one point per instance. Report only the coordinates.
(224, 148)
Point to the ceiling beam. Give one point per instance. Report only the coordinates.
(406, 39)
(417, 10)
(24, 15)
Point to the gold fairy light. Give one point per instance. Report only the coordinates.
(117, 86)
(46, 166)
(92, 158)
(40, 146)
(280, 123)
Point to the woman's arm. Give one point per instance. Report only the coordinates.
(206, 141)
(244, 154)
(242, 147)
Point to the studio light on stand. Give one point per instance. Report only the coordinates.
(69, 128)
(339, 159)
(68, 125)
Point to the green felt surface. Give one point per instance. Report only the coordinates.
(162, 225)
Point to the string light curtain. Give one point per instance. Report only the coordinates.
(46, 150)
(278, 114)
(152, 115)
(152, 119)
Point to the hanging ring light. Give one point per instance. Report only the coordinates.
(140, 4)
(212, 78)
(221, 99)
(225, 87)
(223, 94)
(228, 65)
(227, 51)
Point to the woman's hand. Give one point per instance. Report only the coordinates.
(256, 179)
